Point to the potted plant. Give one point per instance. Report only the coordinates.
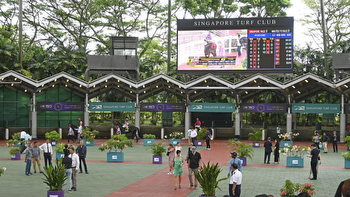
(295, 155)
(15, 139)
(54, 178)
(12, 143)
(200, 136)
(148, 139)
(347, 140)
(59, 151)
(256, 136)
(2, 170)
(117, 143)
(290, 189)
(53, 136)
(157, 150)
(15, 153)
(347, 159)
(208, 178)
(286, 139)
(89, 136)
(243, 150)
(175, 137)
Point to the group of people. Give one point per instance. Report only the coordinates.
(176, 162)
(71, 132)
(193, 132)
(72, 160)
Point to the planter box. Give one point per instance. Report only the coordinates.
(55, 193)
(148, 141)
(347, 148)
(157, 159)
(17, 156)
(256, 144)
(115, 157)
(286, 143)
(53, 143)
(198, 142)
(243, 160)
(86, 143)
(59, 155)
(174, 141)
(295, 162)
(347, 164)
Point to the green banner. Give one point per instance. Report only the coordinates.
(212, 107)
(115, 107)
(315, 108)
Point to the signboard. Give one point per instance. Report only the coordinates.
(111, 106)
(315, 108)
(212, 107)
(235, 45)
(263, 107)
(162, 107)
(60, 106)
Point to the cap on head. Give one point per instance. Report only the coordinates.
(79, 119)
(234, 153)
(127, 118)
(194, 148)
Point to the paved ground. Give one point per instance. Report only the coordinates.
(137, 176)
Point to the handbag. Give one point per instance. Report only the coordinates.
(167, 154)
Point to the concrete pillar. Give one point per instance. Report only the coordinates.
(238, 123)
(342, 120)
(187, 115)
(34, 118)
(289, 123)
(137, 112)
(86, 111)
(294, 120)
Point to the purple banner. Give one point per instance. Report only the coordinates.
(163, 107)
(60, 106)
(263, 107)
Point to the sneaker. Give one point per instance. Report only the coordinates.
(31, 173)
(80, 172)
(70, 191)
(208, 148)
(86, 172)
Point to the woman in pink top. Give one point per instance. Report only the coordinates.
(171, 150)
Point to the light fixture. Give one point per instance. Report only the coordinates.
(156, 86)
(106, 86)
(144, 92)
(130, 86)
(267, 82)
(53, 85)
(66, 85)
(80, 85)
(168, 86)
(118, 80)
(258, 86)
(94, 86)
(67, 80)
(130, 92)
(2, 79)
(167, 81)
(16, 79)
(25, 90)
(205, 81)
(207, 86)
(42, 85)
(55, 80)
(118, 86)
(246, 92)
(106, 80)
(346, 86)
(293, 87)
(39, 90)
(254, 81)
(299, 92)
(143, 86)
(11, 84)
(306, 81)
(195, 92)
(179, 86)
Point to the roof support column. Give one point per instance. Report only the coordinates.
(238, 120)
(33, 118)
(86, 110)
(289, 117)
(342, 120)
(137, 112)
(187, 115)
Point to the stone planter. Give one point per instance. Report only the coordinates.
(53, 143)
(157, 159)
(148, 141)
(55, 193)
(256, 144)
(243, 160)
(59, 156)
(198, 142)
(115, 157)
(174, 141)
(17, 156)
(295, 162)
(347, 164)
(286, 143)
(86, 143)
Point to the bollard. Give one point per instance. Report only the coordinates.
(7, 133)
(162, 133)
(60, 131)
(112, 132)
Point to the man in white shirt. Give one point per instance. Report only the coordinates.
(80, 129)
(23, 134)
(75, 167)
(235, 182)
(194, 135)
(47, 149)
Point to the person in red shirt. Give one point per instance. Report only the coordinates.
(198, 123)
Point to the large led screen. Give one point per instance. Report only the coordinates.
(235, 45)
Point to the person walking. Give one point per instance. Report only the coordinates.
(36, 157)
(189, 135)
(28, 159)
(314, 159)
(171, 155)
(67, 162)
(335, 142)
(277, 151)
(80, 130)
(317, 139)
(194, 160)
(178, 147)
(81, 151)
(75, 167)
(208, 138)
(278, 130)
(268, 150)
(325, 140)
(236, 161)
(319, 161)
(235, 182)
(47, 149)
(178, 162)
(70, 133)
(194, 135)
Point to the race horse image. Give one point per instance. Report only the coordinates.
(210, 48)
(343, 188)
(131, 129)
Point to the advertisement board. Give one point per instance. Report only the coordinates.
(162, 107)
(111, 106)
(263, 107)
(212, 107)
(60, 106)
(315, 108)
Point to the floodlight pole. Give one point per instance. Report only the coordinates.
(169, 34)
(20, 41)
(324, 39)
